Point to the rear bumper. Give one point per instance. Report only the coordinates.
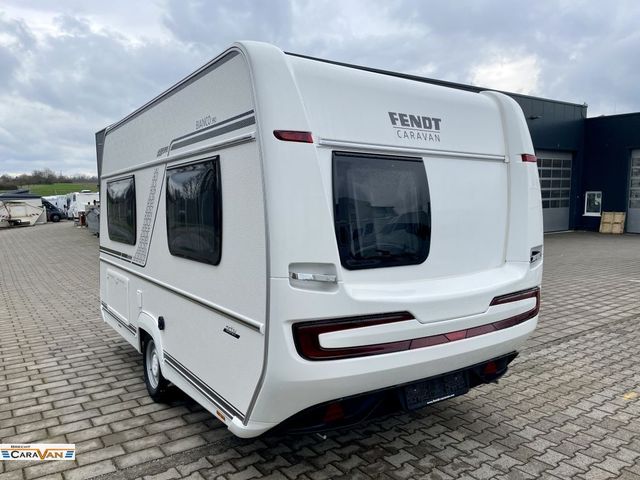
(412, 396)
(293, 384)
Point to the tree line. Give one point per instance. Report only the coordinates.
(42, 177)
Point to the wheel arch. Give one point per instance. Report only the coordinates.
(148, 328)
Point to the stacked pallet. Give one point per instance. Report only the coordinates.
(612, 222)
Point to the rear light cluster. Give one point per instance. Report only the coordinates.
(293, 136)
(527, 157)
(307, 334)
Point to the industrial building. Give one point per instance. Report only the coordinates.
(587, 165)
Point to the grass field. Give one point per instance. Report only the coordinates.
(60, 188)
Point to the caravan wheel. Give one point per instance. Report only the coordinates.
(157, 385)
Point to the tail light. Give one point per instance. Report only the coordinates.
(514, 297)
(293, 136)
(307, 334)
(527, 157)
(333, 413)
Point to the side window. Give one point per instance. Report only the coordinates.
(121, 210)
(194, 211)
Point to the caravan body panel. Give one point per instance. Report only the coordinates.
(464, 202)
(199, 302)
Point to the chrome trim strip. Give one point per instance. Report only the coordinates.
(313, 277)
(115, 253)
(425, 152)
(246, 321)
(267, 327)
(215, 125)
(202, 387)
(112, 314)
(200, 136)
(230, 142)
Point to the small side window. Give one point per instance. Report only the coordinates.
(121, 210)
(194, 211)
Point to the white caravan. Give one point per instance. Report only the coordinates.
(78, 201)
(286, 237)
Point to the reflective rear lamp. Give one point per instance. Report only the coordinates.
(527, 157)
(307, 334)
(293, 136)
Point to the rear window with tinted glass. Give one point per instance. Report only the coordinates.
(382, 210)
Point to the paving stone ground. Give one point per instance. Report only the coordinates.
(568, 408)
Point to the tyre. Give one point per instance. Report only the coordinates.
(55, 218)
(157, 385)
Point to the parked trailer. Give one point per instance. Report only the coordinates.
(288, 237)
(21, 208)
(21, 212)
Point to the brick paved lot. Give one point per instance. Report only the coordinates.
(568, 408)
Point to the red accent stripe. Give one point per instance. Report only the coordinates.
(307, 334)
(453, 336)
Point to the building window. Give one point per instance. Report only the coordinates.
(194, 211)
(382, 210)
(592, 204)
(121, 210)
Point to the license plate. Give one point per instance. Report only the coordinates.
(425, 393)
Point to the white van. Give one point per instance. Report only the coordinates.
(288, 237)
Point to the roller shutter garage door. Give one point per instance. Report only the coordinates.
(633, 214)
(555, 185)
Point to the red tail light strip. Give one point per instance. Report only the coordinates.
(527, 157)
(307, 334)
(293, 136)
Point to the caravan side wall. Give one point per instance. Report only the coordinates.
(213, 342)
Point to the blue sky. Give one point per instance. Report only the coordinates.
(70, 67)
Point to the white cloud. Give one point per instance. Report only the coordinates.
(513, 73)
(70, 67)
(134, 22)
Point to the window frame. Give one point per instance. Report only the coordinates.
(342, 251)
(586, 202)
(134, 211)
(217, 194)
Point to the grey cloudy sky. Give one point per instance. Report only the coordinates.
(70, 67)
